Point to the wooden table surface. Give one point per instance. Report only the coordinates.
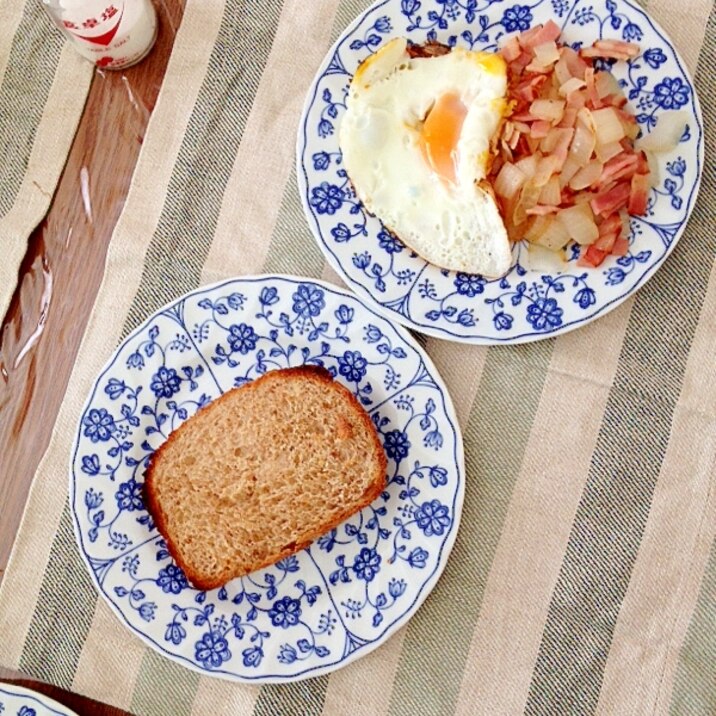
(59, 279)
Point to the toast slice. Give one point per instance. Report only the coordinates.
(261, 472)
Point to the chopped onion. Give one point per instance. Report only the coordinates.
(547, 53)
(552, 233)
(545, 259)
(569, 119)
(571, 85)
(528, 165)
(546, 167)
(587, 176)
(561, 70)
(606, 84)
(511, 49)
(509, 181)
(528, 198)
(667, 134)
(605, 152)
(579, 223)
(551, 193)
(549, 109)
(540, 129)
(569, 169)
(607, 125)
(653, 167)
(583, 143)
(575, 64)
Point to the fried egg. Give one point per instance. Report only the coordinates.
(416, 143)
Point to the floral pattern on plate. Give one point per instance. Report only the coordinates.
(340, 598)
(526, 304)
(18, 701)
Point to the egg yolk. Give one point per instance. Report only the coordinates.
(440, 134)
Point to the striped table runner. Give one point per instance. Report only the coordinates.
(583, 579)
(43, 87)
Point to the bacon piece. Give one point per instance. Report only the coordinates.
(639, 195)
(611, 200)
(611, 49)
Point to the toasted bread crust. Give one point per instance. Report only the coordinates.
(313, 372)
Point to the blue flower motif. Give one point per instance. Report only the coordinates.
(135, 360)
(242, 338)
(361, 261)
(671, 93)
(432, 518)
(654, 57)
(382, 24)
(367, 564)
(341, 233)
(285, 612)
(503, 321)
(212, 650)
(408, 7)
(396, 587)
(26, 711)
(344, 314)
(308, 301)
(677, 168)
(252, 656)
(325, 129)
(517, 18)
(632, 32)
(172, 579)
(433, 439)
(129, 496)
(468, 284)
(175, 633)
(544, 313)
(146, 611)
(438, 476)
(397, 445)
(615, 276)
(321, 161)
(327, 198)
(389, 243)
(352, 366)
(418, 558)
(165, 382)
(585, 297)
(99, 425)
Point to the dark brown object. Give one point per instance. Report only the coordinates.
(58, 282)
(428, 49)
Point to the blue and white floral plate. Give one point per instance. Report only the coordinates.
(331, 603)
(525, 305)
(18, 701)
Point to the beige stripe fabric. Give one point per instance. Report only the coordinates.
(214, 195)
(504, 646)
(43, 88)
(683, 517)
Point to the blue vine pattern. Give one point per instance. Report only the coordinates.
(312, 609)
(15, 701)
(435, 301)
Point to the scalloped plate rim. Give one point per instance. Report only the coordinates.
(445, 549)
(444, 334)
(43, 700)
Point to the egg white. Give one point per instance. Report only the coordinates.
(453, 224)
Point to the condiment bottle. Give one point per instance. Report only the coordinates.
(111, 34)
